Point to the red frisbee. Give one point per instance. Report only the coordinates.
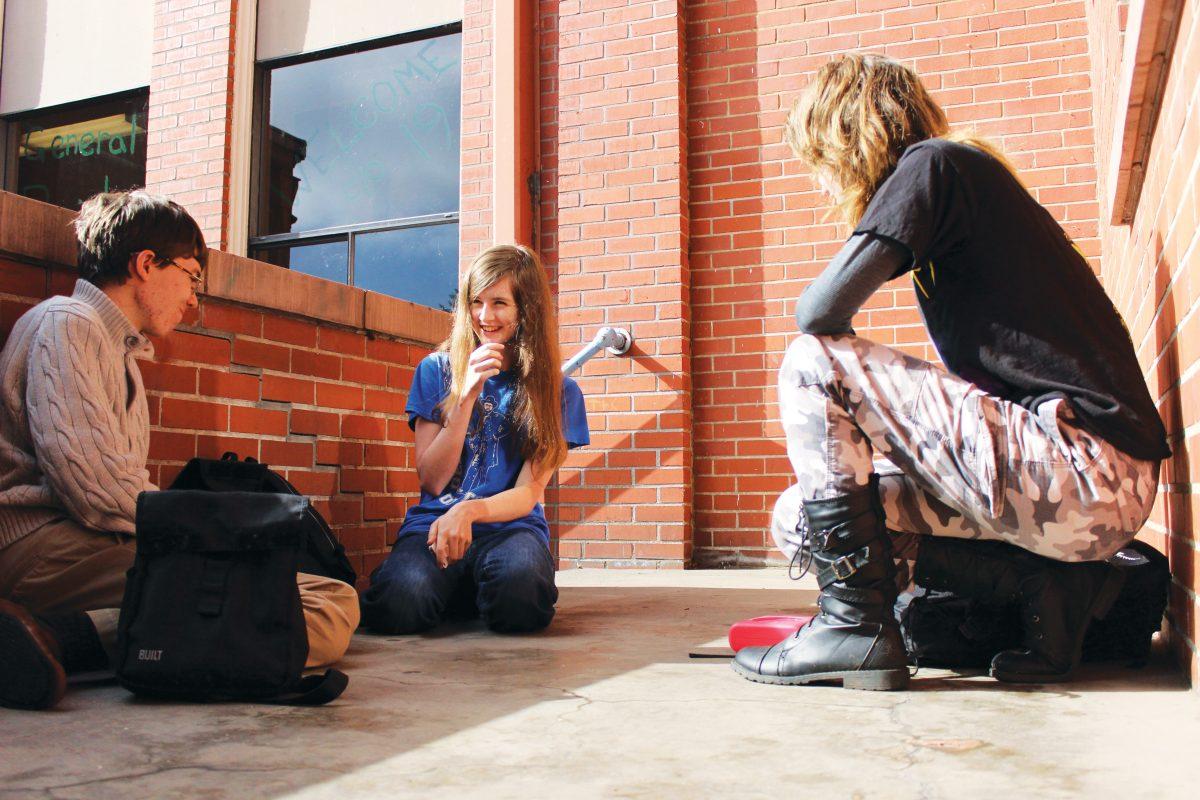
(764, 631)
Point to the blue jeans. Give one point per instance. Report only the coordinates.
(507, 578)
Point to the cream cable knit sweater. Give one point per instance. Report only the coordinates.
(74, 427)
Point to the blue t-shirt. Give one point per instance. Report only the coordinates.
(491, 459)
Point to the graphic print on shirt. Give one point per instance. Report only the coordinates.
(482, 452)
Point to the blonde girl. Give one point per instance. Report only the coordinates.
(1039, 442)
(493, 418)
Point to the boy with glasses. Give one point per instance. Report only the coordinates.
(74, 437)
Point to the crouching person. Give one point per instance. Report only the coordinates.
(493, 418)
(1018, 470)
(73, 443)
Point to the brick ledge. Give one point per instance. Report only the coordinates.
(40, 233)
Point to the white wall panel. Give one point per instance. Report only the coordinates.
(291, 27)
(59, 51)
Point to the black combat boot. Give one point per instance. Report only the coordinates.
(1058, 600)
(855, 638)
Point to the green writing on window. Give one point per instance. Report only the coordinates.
(68, 155)
(83, 144)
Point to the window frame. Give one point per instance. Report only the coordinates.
(260, 163)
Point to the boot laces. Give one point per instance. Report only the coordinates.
(803, 557)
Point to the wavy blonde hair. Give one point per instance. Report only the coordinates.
(537, 404)
(855, 119)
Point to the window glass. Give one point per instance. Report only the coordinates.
(64, 157)
(417, 264)
(363, 137)
(326, 260)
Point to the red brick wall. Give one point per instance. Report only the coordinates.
(614, 223)
(1150, 269)
(670, 206)
(191, 90)
(700, 260)
(1017, 70)
(321, 403)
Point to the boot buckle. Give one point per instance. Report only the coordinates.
(849, 564)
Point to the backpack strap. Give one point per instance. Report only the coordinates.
(314, 690)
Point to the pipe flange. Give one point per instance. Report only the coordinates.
(619, 340)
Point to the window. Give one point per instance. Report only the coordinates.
(66, 155)
(358, 164)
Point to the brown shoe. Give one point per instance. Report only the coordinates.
(31, 671)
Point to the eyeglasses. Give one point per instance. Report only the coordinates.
(196, 278)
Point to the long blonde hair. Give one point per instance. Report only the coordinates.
(537, 403)
(855, 119)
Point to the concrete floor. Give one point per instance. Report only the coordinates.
(607, 704)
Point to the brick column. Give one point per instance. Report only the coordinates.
(191, 96)
(475, 226)
(615, 221)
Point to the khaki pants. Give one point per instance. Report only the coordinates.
(62, 567)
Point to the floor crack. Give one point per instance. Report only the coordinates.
(585, 701)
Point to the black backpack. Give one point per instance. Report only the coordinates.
(944, 630)
(320, 552)
(212, 610)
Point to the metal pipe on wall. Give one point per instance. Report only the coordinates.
(616, 340)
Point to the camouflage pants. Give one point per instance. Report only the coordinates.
(952, 459)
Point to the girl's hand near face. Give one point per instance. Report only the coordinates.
(485, 362)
